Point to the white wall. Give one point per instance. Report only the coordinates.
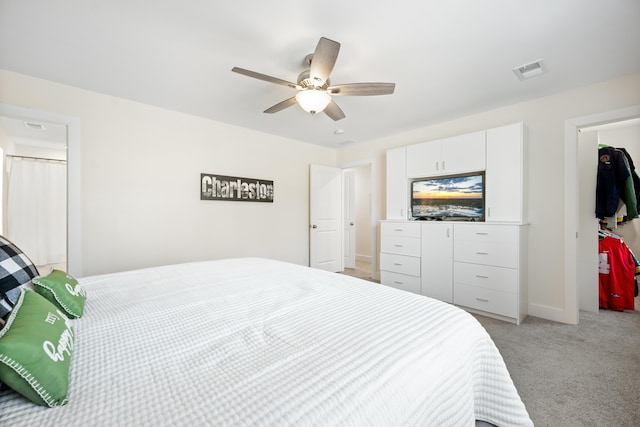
(545, 118)
(140, 170)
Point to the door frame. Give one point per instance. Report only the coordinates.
(571, 314)
(375, 215)
(74, 215)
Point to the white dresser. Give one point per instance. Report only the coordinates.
(478, 266)
(489, 271)
(400, 255)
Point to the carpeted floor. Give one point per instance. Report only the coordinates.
(568, 375)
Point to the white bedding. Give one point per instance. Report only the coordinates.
(259, 342)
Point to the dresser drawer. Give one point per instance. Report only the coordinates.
(488, 253)
(400, 281)
(486, 233)
(490, 300)
(400, 264)
(401, 245)
(484, 276)
(402, 229)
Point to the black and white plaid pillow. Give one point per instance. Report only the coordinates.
(15, 269)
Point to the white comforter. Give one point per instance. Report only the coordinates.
(257, 342)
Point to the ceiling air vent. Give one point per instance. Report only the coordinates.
(531, 69)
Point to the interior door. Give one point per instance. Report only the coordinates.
(325, 218)
(349, 181)
(587, 238)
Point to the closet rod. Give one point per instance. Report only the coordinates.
(36, 158)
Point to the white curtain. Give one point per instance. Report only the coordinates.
(36, 211)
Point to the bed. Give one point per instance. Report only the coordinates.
(252, 341)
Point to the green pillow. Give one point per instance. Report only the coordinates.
(62, 290)
(35, 350)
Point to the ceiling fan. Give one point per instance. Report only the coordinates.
(314, 89)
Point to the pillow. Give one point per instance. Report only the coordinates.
(15, 269)
(35, 350)
(63, 290)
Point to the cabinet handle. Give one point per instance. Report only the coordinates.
(402, 213)
(398, 229)
(398, 246)
(482, 299)
(481, 277)
(482, 253)
(447, 232)
(489, 211)
(397, 283)
(443, 165)
(482, 234)
(396, 263)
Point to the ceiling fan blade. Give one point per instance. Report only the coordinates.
(281, 105)
(362, 89)
(332, 110)
(264, 77)
(324, 58)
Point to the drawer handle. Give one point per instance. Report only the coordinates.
(482, 234)
(482, 253)
(482, 299)
(397, 263)
(481, 277)
(398, 229)
(398, 246)
(398, 283)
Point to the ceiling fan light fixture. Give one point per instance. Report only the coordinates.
(313, 100)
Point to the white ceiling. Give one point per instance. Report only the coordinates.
(447, 58)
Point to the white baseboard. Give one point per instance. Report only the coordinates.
(363, 258)
(549, 313)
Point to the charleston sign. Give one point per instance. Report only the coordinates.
(220, 187)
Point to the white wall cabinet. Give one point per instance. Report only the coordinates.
(436, 260)
(458, 154)
(506, 174)
(397, 184)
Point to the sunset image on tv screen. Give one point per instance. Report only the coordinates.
(451, 197)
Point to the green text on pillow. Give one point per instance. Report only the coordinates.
(35, 350)
(62, 290)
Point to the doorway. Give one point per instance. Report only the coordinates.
(34, 190)
(70, 126)
(572, 238)
(365, 207)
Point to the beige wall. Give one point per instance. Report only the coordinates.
(140, 170)
(545, 119)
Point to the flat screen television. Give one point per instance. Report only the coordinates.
(454, 197)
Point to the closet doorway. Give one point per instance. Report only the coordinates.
(578, 240)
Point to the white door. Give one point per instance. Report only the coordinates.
(587, 238)
(349, 177)
(437, 261)
(325, 218)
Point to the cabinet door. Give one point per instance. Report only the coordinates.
(505, 174)
(424, 160)
(463, 153)
(397, 186)
(437, 261)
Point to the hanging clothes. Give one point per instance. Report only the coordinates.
(614, 183)
(617, 269)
